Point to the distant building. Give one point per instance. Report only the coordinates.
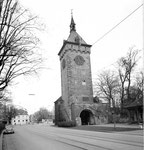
(135, 111)
(20, 120)
(77, 102)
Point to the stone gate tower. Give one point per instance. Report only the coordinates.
(76, 80)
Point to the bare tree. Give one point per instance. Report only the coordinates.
(139, 80)
(18, 43)
(107, 86)
(126, 66)
(4, 99)
(43, 113)
(5, 96)
(139, 83)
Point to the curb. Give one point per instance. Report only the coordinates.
(1, 140)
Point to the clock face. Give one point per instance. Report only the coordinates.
(63, 63)
(79, 60)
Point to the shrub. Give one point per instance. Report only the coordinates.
(67, 124)
(2, 126)
(110, 118)
(123, 120)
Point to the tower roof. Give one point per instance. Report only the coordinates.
(74, 37)
(72, 24)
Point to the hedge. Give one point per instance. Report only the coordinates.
(67, 124)
(2, 126)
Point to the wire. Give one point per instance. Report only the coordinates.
(117, 24)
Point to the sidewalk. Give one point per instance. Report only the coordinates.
(132, 126)
(121, 128)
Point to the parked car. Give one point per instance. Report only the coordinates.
(8, 130)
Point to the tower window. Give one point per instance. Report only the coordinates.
(63, 63)
(83, 82)
(85, 98)
(77, 40)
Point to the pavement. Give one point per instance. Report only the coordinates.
(135, 126)
(121, 128)
(43, 136)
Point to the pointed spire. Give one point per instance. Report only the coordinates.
(72, 25)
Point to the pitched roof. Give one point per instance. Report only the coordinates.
(59, 100)
(74, 37)
(136, 103)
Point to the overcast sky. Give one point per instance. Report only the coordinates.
(93, 19)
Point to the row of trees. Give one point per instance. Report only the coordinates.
(122, 85)
(18, 44)
(10, 111)
(42, 114)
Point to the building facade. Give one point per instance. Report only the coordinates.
(20, 120)
(76, 102)
(135, 111)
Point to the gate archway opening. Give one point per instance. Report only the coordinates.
(86, 117)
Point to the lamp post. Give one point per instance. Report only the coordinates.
(114, 118)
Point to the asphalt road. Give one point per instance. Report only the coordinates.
(44, 137)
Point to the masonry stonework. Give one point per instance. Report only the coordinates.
(76, 102)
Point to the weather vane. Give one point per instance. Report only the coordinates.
(71, 12)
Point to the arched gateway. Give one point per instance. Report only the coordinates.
(87, 117)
